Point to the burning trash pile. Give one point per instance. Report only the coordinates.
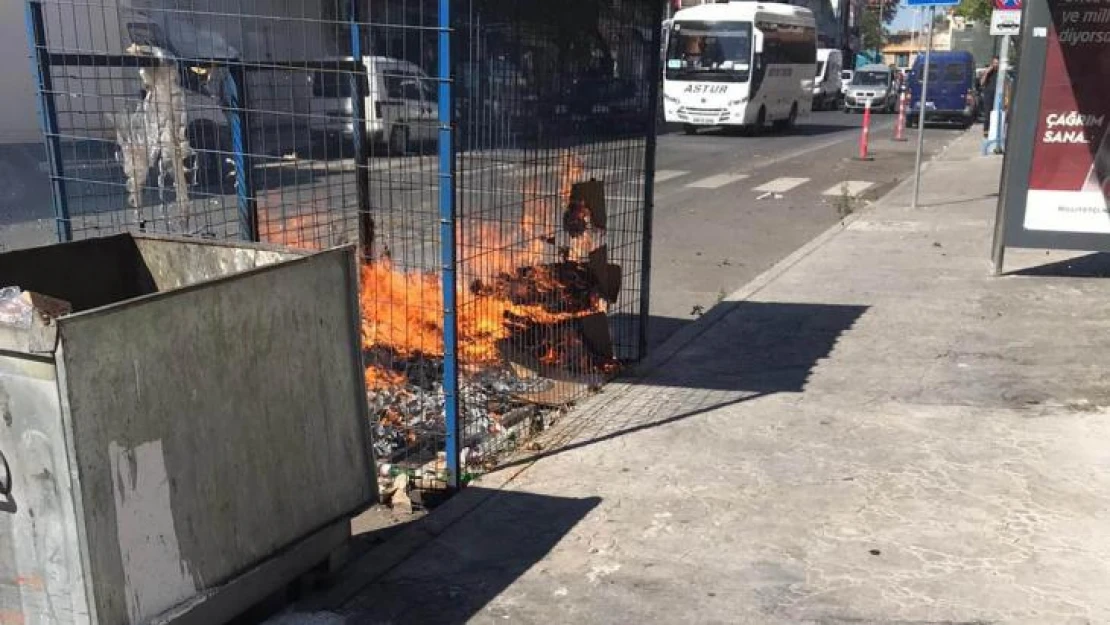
(532, 327)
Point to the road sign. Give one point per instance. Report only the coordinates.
(1007, 5)
(1005, 22)
(932, 3)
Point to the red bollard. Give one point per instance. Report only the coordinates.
(900, 123)
(865, 133)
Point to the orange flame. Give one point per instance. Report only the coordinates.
(402, 311)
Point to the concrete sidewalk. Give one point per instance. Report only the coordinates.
(875, 432)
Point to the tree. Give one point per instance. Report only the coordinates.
(871, 32)
(873, 21)
(978, 11)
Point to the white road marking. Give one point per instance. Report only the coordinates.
(716, 182)
(663, 175)
(854, 188)
(781, 185)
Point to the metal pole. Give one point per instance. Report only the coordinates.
(359, 87)
(997, 133)
(236, 92)
(921, 110)
(656, 66)
(447, 250)
(48, 117)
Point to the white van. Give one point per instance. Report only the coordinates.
(401, 105)
(826, 85)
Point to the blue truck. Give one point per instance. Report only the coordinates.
(952, 96)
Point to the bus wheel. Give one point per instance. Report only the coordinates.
(760, 121)
(788, 123)
(689, 129)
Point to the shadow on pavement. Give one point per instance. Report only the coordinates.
(764, 347)
(454, 576)
(750, 350)
(1090, 266)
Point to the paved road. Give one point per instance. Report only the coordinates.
(729, 207)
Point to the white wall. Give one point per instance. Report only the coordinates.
(18, 117)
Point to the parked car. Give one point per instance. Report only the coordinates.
(952, 93)
(874, 84)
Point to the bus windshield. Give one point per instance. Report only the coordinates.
(711, 51)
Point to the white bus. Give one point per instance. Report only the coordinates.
(739, 64)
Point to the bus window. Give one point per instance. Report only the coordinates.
(708, 49)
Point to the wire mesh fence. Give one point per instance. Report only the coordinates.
(491, 157)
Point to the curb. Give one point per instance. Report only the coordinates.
(714, 315)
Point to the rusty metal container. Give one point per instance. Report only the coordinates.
(190, 437)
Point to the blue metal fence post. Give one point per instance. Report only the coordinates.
(447, 243)
(359, 87)
(236, 92)
(48, 117)
(656, 75)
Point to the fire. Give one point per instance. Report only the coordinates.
(402, 311)
(303, 231)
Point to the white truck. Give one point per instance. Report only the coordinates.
(826, 86)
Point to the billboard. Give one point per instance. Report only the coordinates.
(1070, 172)
(1056, 178)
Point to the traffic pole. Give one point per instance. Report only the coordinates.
(996, 138)
(865, 133)
(900, 123)
(921, 113)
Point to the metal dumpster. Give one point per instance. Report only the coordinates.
(189, 438)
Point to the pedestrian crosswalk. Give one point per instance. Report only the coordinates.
(851, 188)
(780, 185)
(663, 175)
(775, 186)
(717, 181)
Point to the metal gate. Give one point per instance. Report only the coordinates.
(493, 158)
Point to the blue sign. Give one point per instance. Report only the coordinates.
(932, 3)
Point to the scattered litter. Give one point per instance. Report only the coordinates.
(399, 501)
(14, 310)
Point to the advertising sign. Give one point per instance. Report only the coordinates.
(1005, 22)
(1070, 174)
(1056, 176)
